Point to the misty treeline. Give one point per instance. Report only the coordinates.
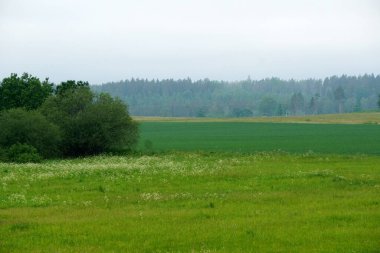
(269, 97)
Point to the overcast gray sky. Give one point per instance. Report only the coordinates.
(110, 40)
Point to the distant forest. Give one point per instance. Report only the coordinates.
(267, 97)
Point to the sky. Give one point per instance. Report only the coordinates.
(111, 40)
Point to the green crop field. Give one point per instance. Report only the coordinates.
(193, 202)
(254, 137)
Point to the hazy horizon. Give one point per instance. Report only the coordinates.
(104, 41)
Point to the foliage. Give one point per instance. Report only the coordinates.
(30, 128)
(22, 153)
(70, 85)
(87, 123)
(90, 123)
(192, 202)
(25, 91)
(3, 154)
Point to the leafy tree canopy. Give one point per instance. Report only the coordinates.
(91, 123)
(24, 91)
(70, 86)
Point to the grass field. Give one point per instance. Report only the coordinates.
(192, 202)
(254, 137)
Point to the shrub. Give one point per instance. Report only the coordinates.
(3, 154)
(90, 123)
(23, 153)
(30, 128)
(73, 121)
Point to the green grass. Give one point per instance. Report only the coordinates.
(254, 137)
(192, 202)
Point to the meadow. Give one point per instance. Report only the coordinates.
(206, 186)
(193, 202)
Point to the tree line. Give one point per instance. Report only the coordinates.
(39, 119)
(267, 97)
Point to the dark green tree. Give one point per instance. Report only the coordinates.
(70, 85)
(29, 128)
(25, 91)
(90, 123)
(378, 102)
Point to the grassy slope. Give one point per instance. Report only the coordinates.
(192, 203)
(253, 137)
(347, 118)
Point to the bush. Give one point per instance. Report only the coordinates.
(29, 128)
(90, 123)
(3, 154)
(23, 153)
(73, 121)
